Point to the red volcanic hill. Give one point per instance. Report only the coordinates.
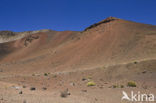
(111, 41)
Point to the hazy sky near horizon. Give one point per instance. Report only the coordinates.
(75, 15)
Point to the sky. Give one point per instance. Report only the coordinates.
(75, 15)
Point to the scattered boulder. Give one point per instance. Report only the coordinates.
(65, 93)
(144, 72)
(72, 84)
(20, 92)
(1, 70)
(83, 79)
(24, 101)
(24, 86)
(44, 88)
(84, 90)
(135, 62)
(16, 87)
(32, 88)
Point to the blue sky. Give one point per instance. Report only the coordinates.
(75, 15)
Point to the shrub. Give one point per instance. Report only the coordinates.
(54, 76)
(115, 86)
(122, 86)
(89, 77)
(131, 84)
(135, 62)
(91, 83)
(45, 74)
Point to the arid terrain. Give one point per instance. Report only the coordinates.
(90, 66)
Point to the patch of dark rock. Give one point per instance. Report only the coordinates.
(104, 21)
(84, 90)
(144, 72)
(44, 88)
(83, 79)
(20, 92)
(65, 93)
(32, 88)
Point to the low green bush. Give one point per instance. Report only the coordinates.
(91, 83)
(131, 84)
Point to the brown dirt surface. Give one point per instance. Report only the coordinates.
(109, 53)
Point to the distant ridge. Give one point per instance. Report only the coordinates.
(7, 36)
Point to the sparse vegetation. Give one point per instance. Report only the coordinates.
(91, 83)
(121, 86)
(33, 74)
(103, 67)
(89, 77)
(54, 76)
(45, 74)
(135, 62)
(131, 84)
(115, 86)
(118, 86)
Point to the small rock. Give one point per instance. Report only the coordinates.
(24, 86)
(101, 87)
(65, 93)
(44, 88)
(54, 76)
(144, 72)
(72, 84)
(20, 92)
(24, 101)
(84, 90)
(101, 79)
(96, 99)
(32, 88)
(145, 87)
(135, 62)
(83, 79)
(16, 87)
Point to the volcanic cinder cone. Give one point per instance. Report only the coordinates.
(90, 64)
(108, 42)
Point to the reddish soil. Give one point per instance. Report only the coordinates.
(111, 52)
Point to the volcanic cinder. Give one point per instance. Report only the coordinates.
(110, 53)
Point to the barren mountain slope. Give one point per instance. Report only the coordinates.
(110, 53)
(108, 42)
